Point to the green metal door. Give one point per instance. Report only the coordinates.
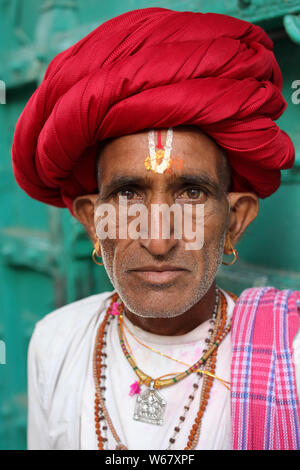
(44, 253)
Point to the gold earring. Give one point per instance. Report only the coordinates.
(94, 253)
(229, 247)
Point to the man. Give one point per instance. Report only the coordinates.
(183, 106)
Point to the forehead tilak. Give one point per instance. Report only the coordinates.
(159, 157)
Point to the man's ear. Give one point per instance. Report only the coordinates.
(243, 210)
(83, 209)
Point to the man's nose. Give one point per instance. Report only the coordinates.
(158, 247)
(160, 237)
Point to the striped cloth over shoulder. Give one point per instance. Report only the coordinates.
(264, 403)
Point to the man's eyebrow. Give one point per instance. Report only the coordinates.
(118, 181)
(201, 179)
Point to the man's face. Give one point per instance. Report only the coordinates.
(157, 277)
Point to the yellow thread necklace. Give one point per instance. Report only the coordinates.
(122, 324)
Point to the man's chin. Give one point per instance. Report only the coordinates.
(158, 300)
(163, 302)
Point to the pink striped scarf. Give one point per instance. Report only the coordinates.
(265, 408)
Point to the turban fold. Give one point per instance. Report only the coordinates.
(154, 68)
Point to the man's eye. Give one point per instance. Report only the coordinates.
(127, 193)
(193, 193)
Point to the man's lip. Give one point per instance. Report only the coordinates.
(158, 268)
(158, 275)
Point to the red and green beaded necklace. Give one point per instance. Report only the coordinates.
(101, 413)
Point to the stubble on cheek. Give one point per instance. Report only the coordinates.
(108, 251)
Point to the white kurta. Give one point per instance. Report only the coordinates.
(61, 386)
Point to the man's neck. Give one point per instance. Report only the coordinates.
(199, 313)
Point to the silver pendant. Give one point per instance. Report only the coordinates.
(150, 407)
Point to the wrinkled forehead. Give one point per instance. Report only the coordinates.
(190, 151)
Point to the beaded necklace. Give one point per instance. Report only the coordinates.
(158, 383)
(102, 418)
(215, 322)
(216, 338)
(135, 388)
(150, 405)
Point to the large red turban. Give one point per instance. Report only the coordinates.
(154, 68)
